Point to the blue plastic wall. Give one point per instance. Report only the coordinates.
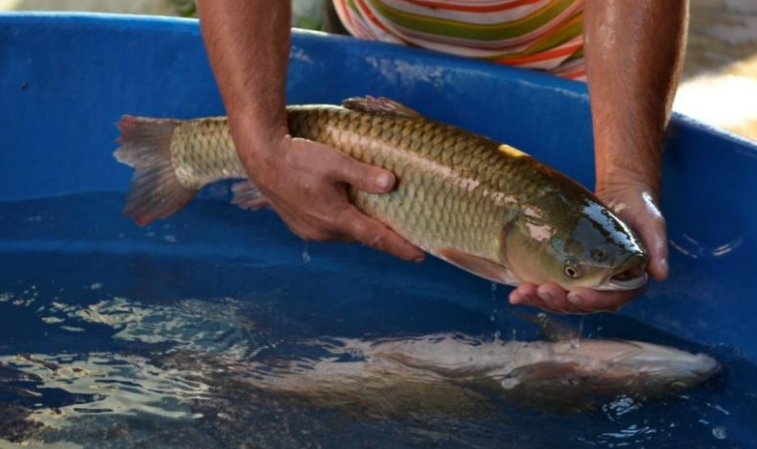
(66, 79)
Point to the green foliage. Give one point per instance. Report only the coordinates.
(185, 8)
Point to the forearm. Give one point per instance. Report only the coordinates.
(634, 51)
(248, 47)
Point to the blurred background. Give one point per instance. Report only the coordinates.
(719, 83)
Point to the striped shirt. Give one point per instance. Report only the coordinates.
(536, 34)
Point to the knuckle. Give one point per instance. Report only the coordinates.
(378, 241)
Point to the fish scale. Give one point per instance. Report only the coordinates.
(455, 213)
(458, 195)
(440, 161)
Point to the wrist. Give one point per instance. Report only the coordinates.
(255, 138)
(630, 165)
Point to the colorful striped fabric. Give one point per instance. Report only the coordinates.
(536, 34)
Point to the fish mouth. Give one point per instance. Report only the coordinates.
(631, 274)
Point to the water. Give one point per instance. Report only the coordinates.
(117, 336)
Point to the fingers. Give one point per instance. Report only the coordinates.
(362, 176)
(640, 211)
(372, 233)
(654, 236)
(552, 298)
(549, 297)
(601, 301)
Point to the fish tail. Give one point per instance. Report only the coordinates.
(155, 191)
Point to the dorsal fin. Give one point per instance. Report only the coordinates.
(381, 104)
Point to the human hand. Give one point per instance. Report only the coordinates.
(305, 182)
(636, 204)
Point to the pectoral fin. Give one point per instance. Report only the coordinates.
(478, 266)
(552, 329)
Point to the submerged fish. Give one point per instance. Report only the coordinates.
(480, 205)
(447, 370)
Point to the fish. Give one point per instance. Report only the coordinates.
(480, 205)
(460, 372)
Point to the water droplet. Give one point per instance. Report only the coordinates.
(305, 253)
(719, 432)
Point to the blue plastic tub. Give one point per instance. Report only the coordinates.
(66, 79)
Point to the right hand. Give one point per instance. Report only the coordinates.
(306, 184)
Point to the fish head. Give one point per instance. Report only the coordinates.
(570, 238)
(648, 367)
(579, 372)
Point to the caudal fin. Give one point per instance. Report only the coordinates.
(155, 191)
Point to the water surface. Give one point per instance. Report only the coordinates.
(117, 336)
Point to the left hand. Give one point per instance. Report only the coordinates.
(637, 205)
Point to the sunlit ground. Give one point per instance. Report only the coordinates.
(720, 75)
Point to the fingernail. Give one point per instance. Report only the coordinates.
(516, 298)
(546, 297)
(384, 181)
(576, 299)
(664, 265)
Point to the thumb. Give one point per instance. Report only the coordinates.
(655, 238)
(364, 176)
(649, 223)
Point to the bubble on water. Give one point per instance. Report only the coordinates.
(718, 408)
(5, 297)
(620, 406)
(719, 432)
(72, 328)
(52, 319)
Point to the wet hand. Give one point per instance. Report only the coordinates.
(306, 184)
(637, 205)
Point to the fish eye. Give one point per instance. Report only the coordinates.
(572, 269)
